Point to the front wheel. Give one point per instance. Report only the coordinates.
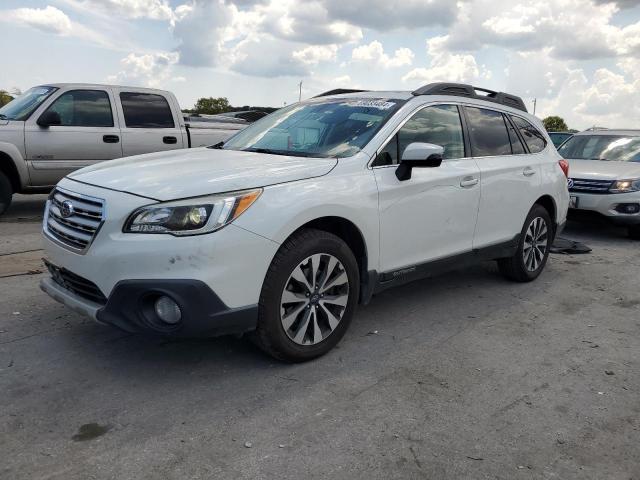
(5, 193)
(533, 249)
(308, 297)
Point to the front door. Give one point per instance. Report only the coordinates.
(433, 214)
(88, 132)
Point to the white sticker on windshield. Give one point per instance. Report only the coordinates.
(380, 104)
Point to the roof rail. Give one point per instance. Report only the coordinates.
(469, 91)
(339, 91)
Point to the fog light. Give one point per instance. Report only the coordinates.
(168, 311)
(629, 208)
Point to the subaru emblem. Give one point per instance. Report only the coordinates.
(570, 183)
(67, 209)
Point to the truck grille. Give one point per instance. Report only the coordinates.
(76, 284)
(73, 220)
(581, 185)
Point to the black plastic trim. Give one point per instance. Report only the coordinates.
(339, 91)
(130, 308)
(469, 91)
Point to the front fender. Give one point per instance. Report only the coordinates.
(10, 153)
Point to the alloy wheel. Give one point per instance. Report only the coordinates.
(536, 243)
(314, 299)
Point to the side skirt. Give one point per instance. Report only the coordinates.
(377, 282)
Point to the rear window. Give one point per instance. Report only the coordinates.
(487, 133)
(146, 110)
(532, 136)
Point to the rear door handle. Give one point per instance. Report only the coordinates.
(467, 182)
(110, 138)
(170, 140)
(527, 172)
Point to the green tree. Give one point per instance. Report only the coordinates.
(5, 97)
(555, 124)
(212, 105)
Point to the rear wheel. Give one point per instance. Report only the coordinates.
(308, 297)
(533, 249)
(5, 193)
(634, 232)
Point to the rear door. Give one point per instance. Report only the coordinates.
(433, 214)
(88, 133)
(149, 124)
(510, 175)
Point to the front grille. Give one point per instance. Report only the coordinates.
(581, 185)
(73, 220)
(76, 284)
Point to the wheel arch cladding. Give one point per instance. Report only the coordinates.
(349, 233)
(549, 204)
(9, 169)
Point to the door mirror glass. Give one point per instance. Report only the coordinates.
(419, 155)
(49, 118)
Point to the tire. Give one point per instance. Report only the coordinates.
(528, 262)
(634, 232)
(311, 324)
(6, 193)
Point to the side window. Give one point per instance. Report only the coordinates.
(145, 110)
(438, 124)
(83, 108)
(516, 144)
(532, 137)
(487, 133)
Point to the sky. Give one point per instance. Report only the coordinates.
(579, 59)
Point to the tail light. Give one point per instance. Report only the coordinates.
(564, 165)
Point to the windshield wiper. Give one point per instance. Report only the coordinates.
(217, 145)
(3, 117)
(291, 153)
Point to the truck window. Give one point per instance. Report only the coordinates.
(146, 110)
(487, 132)
(83, 108)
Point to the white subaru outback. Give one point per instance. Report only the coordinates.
(285, 228)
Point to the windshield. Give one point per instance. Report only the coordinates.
(615, 148)
(329, 128)
(22, 107)
(558, 138)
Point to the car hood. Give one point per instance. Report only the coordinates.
(201, 171)
(603, 170)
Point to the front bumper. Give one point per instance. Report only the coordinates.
(130, 308)
(606, 204)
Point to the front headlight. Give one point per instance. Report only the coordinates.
(192, 216)
(624, 186)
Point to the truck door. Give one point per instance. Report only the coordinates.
(149, 124)
(86, 131)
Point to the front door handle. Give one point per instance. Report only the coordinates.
(110, 138)
(527, 172)
(467, 182)
(170, 140)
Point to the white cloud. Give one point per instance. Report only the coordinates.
(373, 54)
(446, 66)
(152, 9)
(149, 69)
(48, 19)
(314, 54)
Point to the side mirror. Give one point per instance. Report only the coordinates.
(419, 155)
(49, 118)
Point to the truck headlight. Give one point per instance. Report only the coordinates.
(624, 186)
(192, 216)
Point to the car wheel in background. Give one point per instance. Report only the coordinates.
(5, 193)
(533, 249)
(308, 298)
(634, 232)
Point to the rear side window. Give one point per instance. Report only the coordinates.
(145, 110)
(83, 108)
(516, 144)
(439, 125)
(487, 133)
(532, 136)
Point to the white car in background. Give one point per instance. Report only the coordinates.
(311, 210)
(605, 175)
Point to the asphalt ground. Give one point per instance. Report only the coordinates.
(464, 376)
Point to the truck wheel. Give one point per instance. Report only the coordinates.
(308, 298)
(5, 193)
(533, 248)
(634, 232)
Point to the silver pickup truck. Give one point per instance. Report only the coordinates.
(51, 130)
